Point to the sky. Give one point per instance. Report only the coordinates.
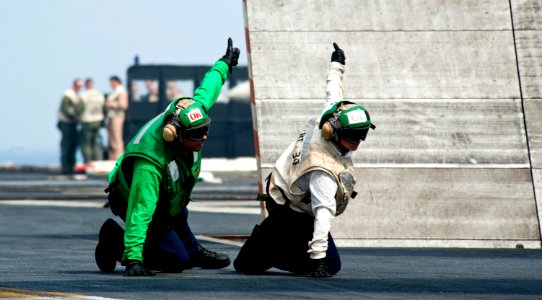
(46, 44)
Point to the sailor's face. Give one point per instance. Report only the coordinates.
(193, 145)
(349, 145)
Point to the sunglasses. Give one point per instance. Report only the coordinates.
(197, 133)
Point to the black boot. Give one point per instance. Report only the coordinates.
(110, 246)
(206, 259)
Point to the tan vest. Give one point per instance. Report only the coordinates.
(93, 102)
(309, 153)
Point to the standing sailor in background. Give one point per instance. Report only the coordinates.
(68, 118)
(92, 115)
(117, 104)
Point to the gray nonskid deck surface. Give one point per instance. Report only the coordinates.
(51, 249)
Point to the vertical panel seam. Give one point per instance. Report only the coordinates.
(525, 119)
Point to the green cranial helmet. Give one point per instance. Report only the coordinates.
(349, 115)
(189, 119)
(191, 114)
(354, 116)
(348, 120)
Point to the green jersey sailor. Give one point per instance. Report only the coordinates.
(151, 184)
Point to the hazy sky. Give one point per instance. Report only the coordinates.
(46, 44)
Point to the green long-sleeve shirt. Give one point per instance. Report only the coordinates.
(162, 178)
(142, 203)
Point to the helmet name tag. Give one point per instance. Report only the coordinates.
(356, 116)
(195, 115)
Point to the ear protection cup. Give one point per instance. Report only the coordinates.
(327, 130)
(169, 133)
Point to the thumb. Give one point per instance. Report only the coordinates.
(336, 46)
(230, 44)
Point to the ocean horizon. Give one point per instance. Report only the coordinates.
(46, 158)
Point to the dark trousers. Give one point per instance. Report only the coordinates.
(281, 241)
(68, 146)
(169, 250)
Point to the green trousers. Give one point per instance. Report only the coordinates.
(91, 142)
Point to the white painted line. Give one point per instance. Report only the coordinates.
(399, 243)
(430, 166)
(444, 166)
(435, 243)
(385, 101)
(54, 203)
(228, 207)
(240, 164)
(227, 188)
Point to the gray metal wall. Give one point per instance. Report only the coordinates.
(455, 90)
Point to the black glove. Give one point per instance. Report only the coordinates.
(338, 55)
(135, 268)
(232, 55)
(318, 268)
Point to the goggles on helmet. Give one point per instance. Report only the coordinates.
(197, 133)
(354, 135)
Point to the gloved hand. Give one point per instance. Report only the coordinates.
(232, 55)
(318, 268)
(135, 268)
(338, 55)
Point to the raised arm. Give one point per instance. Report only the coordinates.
(209, 90)
(334, 89)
